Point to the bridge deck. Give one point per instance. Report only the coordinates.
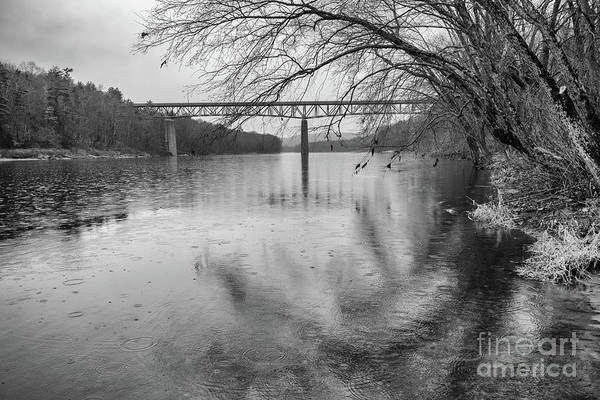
(287, 109)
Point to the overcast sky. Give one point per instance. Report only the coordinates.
(95, 38)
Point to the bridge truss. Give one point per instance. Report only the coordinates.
(285, 109)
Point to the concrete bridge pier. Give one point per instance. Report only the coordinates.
(304, 155)
(304, 137)
(304, 158)
(170, 139)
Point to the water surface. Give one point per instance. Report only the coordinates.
(249, 277)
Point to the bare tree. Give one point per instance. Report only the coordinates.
(524, 71)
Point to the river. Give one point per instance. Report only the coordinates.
(250, 277)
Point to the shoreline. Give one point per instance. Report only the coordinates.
(566, 229)
(33, 154)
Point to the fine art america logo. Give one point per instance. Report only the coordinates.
(506, 349)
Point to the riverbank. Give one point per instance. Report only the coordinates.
(65, 154)
(564, 219)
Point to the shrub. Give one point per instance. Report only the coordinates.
(493, 214)
(565, 258)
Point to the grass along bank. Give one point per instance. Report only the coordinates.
(561, 213)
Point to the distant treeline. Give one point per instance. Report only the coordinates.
(334, 144)
(200, 137)
(48, 109)
(413, 134)
(418, 135)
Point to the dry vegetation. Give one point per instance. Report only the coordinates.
(564, 258)
(494, 214)
(557, 203)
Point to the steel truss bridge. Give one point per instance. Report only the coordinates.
(285, 109)
(303, 110)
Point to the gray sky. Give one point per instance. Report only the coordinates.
(95, 38)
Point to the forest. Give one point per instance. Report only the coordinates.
(200, 137)
(49, 110)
